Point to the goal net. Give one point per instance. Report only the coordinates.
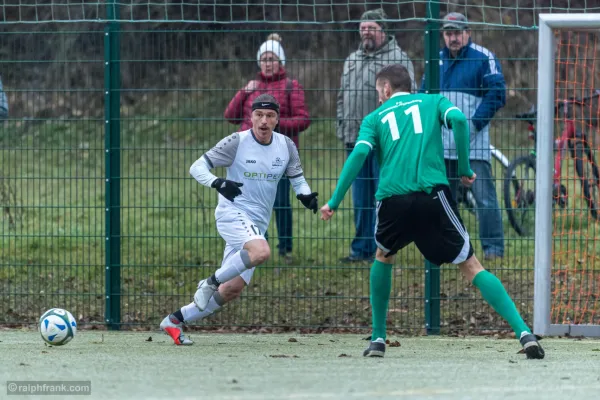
(502, 13)
(567, 286)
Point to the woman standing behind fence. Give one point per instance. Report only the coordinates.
(294, 118)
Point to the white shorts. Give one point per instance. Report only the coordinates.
(237, 229)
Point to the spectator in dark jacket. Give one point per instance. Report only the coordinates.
(471, 77)
(294, 118)
(3, 103)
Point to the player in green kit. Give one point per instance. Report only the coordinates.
(414, 203)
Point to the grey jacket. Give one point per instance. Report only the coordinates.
(357, 96)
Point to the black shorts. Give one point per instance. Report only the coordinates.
(431, 221)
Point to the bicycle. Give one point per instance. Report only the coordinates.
(521, 207)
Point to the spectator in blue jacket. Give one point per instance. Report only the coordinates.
(3, 103)
(471, 77)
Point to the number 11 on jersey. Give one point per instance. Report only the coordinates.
(390, 118)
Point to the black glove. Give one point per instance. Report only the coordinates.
(229, 189)
(309, 200)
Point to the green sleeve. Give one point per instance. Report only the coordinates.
(454, 119)
(351, 169)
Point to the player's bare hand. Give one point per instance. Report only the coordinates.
(326, 212)
(251, 86)
(468, 181)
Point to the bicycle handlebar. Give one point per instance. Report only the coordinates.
(532, 114)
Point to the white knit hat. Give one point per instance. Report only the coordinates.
(273, 46)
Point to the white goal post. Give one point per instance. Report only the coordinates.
(548, 24)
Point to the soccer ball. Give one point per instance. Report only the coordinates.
(57, 326)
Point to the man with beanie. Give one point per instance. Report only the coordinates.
(471, 77)
(273, 79)
(356, 99)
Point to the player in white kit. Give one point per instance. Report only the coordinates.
(256, 160)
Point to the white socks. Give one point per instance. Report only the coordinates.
(191, 313)
(237, 264)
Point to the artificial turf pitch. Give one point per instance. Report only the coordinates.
(127, 365)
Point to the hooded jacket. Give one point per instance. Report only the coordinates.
(293, 115)
(357, 96)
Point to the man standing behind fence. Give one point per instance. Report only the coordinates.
(3, 103)
(471, 77)
(356, 99)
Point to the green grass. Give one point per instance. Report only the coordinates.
(53, 241)
(321, 366)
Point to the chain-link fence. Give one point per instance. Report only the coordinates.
(100, 215)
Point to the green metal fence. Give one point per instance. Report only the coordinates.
(101, 217)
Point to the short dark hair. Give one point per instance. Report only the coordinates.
(398, 77)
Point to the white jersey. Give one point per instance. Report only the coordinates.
(259, 167)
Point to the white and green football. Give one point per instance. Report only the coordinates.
(57, 326)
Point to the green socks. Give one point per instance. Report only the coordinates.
(380, 285)
(490, 286)
(494, 293)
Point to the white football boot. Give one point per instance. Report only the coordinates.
(173, 328)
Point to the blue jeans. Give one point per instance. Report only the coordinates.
(363, 199)
(283, 216)
(491, 230)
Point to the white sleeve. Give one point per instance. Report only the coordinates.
(223, 154)
(200, 170)
(300, 185)
(294, 167)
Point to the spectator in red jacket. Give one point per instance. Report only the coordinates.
(293, 119)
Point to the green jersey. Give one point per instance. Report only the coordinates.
(405, 132)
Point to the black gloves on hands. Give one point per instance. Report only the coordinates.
(228, 189)
(309, 200)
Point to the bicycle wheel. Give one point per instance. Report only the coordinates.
(587, 170)
(519, 194)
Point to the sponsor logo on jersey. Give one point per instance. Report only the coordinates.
(278, 162)
(250, 161)
(262, 176)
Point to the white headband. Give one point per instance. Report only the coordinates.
(273, 46)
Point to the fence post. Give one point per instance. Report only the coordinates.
(432, 85)
(112, 142)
